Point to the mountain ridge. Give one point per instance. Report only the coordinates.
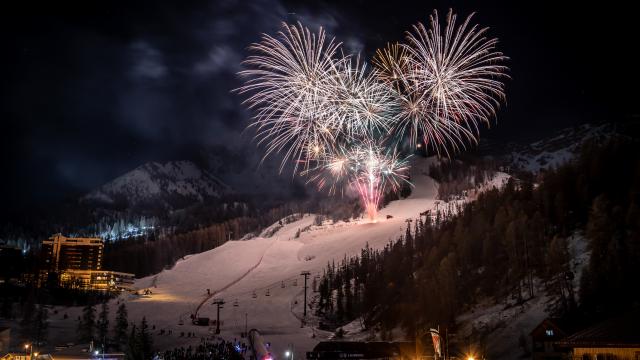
(169, 184)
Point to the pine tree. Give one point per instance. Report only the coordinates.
(134, 350)
(103, 325)
(348, 308)
(41, 324)
(145, 340)
(28, 314)
(600, 231)
(87, 324)
(339, 303)
(120, 329)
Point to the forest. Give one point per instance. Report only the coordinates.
(499, 246)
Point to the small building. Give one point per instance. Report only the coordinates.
(104, 280)
(613, 339)
(328, 350)
(545, 335)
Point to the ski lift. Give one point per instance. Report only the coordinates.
(282, 285)
(267, 294)
(254, 294)
(235, 303)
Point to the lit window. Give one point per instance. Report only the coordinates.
(549, 332)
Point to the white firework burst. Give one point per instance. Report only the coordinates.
(450, 81)
(286, 83)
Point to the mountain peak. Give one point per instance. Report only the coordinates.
(167, 183)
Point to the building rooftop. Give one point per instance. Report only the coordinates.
(623, 331)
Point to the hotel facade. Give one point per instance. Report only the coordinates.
(77, 263)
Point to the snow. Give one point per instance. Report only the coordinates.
(503, 323)
(261, 265)
(154, 180)
(238, 268)
(557, 150)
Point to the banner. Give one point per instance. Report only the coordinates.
(435, 336)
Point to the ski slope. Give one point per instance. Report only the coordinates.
(259, 279)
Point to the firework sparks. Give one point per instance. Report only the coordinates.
(286, 83)
(369, 168)
(392, 64)
(362, 106)
(340, 118)
(452, 82)
(373, 171)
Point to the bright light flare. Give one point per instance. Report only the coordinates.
(367, 167)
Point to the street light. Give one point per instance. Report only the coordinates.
(30, 348)
(35, 354)
(289, 352)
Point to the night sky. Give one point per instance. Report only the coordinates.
(93, 89)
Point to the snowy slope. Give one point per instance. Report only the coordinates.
(556, 150)
(238, 268)
(160, 183)
(261, 275)
(270, 264)
(502, 324)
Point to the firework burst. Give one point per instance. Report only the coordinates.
(452, 82)
(373, 171)
(286, 80)
(362, 106)
(367, 167)
(340, 121)
(392, 65)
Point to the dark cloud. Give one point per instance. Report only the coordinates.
(94, 89)
(101, 90)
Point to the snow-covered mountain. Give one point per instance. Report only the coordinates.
(261, 276)
(556, 149)
(170, 184)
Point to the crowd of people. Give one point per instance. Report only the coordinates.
(209, 350)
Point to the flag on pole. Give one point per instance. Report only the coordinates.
(435, 336)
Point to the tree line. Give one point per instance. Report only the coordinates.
(497, 246)
(150, 254)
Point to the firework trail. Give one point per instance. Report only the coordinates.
(369, 168)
